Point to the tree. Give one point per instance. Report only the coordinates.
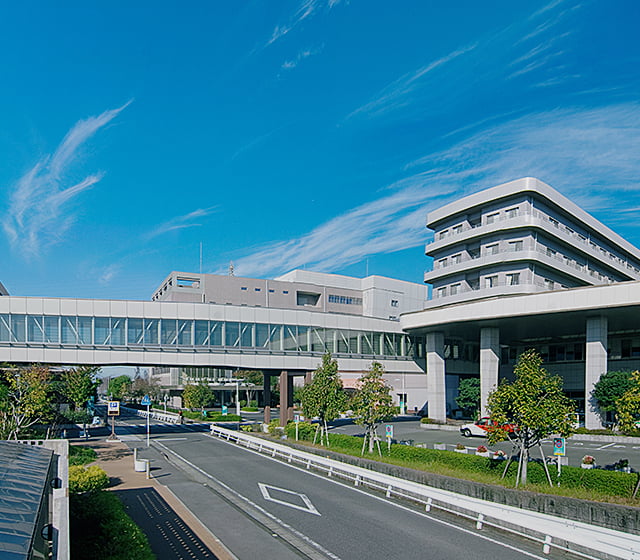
(24, 399)
(79, 385)
(468, 398)
(324, 396)
(372, 403)
(252, 379)
(629, 404)
(120, 387)
(198, 396)
(610, 388)
(145, 385)
(534, 405)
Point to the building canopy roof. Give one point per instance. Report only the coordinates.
(23, 478)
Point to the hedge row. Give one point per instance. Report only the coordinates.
(611, 483)
(100, 528)
(81, 455)
(87, 479)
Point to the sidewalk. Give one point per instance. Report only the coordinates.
(173, 531)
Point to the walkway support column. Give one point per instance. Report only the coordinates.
(595, 366)
(489, 364)
(286, 398)
(266, 395)
(435, 377)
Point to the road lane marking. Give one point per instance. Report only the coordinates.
(266, 494)
(605, 446)
(379, 498)
(310, 542)
(171, 438)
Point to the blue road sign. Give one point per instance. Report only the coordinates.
(146, 401)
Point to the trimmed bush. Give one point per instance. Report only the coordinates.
(306, 430)
(100, 528)
(81, 455)
(87, 479)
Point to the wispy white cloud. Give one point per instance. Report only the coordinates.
(588, 154)
(397, 93)
(305, 10)
(302, 55)
(181, 222)
(35, 215)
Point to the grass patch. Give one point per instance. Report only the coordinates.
(585, 484)
(100, 528)
(81, 455)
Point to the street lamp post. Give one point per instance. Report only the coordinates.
(238, 397)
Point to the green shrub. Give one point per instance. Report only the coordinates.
(306, 430)
(250, 408)
(87, 479)
(100, 528)
(272, 427)
(81, 455)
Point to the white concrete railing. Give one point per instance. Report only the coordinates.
(586, 540)
(170, 417)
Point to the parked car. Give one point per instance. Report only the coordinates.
(482, 426)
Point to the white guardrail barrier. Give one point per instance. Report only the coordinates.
(587, 541)
(168, 417)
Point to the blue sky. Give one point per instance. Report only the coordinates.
(284, 135)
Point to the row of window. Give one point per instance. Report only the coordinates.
(346, 300)
(121, 331)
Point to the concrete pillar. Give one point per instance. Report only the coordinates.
(436, 393)
(595, 366)
(266, 395)
(489, 364)
(284, 398)
(308, 378)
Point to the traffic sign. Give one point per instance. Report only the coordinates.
(225, 410)
(559, 446)
(113, 408)
(146, 401)
(389, 431)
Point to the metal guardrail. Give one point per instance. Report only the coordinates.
(587, 541)
(169, 417)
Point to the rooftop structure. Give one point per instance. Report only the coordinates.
(373, 296)
(521, 237)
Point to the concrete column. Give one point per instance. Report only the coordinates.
(266, 395)
(436, 393)
(489, 364)
(308, 377)
(595, 366)
(284, 398)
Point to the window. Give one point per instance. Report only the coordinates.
(456, 229)
(442, 263)
(513, 279)
(243, 288)
(258, 289)
(285, 291)
(443, 234)
(271, 291)
(454, 289)
(442, 292)
(548, 284)
(550, 252)
(492, 249)
(516, 245)
(512, 212)
(491, 218)
(491, 281)
(394, 303)
(554, 222)
(456, 259)
(345, 300)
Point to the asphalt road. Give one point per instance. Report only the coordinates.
(261, 507)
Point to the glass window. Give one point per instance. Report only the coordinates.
(389, 345)
(492, 249)
(184, 332)
(303, 343)
(317, 339)
(275, 338)
(513, 279)
(201, 333)
(512, 212)
(4, 328)
(246, 335)
(491, 218)
(168, 331)
(366, 343)
(69, 330)
(290, 340)
(454, 289)
(85, 330)
(18, 328)
(515, 245)
(35, 329)
(151, 331)
(262, 335)
(135, 331)
(232, 334)
(117, 331)
(51, 329)
(101, 331)
(215, 333)
(490, 281)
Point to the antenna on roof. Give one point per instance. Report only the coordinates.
(230, 268)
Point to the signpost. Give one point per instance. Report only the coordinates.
(388, 432)
(146, 401)
(296, 419)
(559, 450)
(225, 410)
(113, 410)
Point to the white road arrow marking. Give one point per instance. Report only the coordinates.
(308, 506)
